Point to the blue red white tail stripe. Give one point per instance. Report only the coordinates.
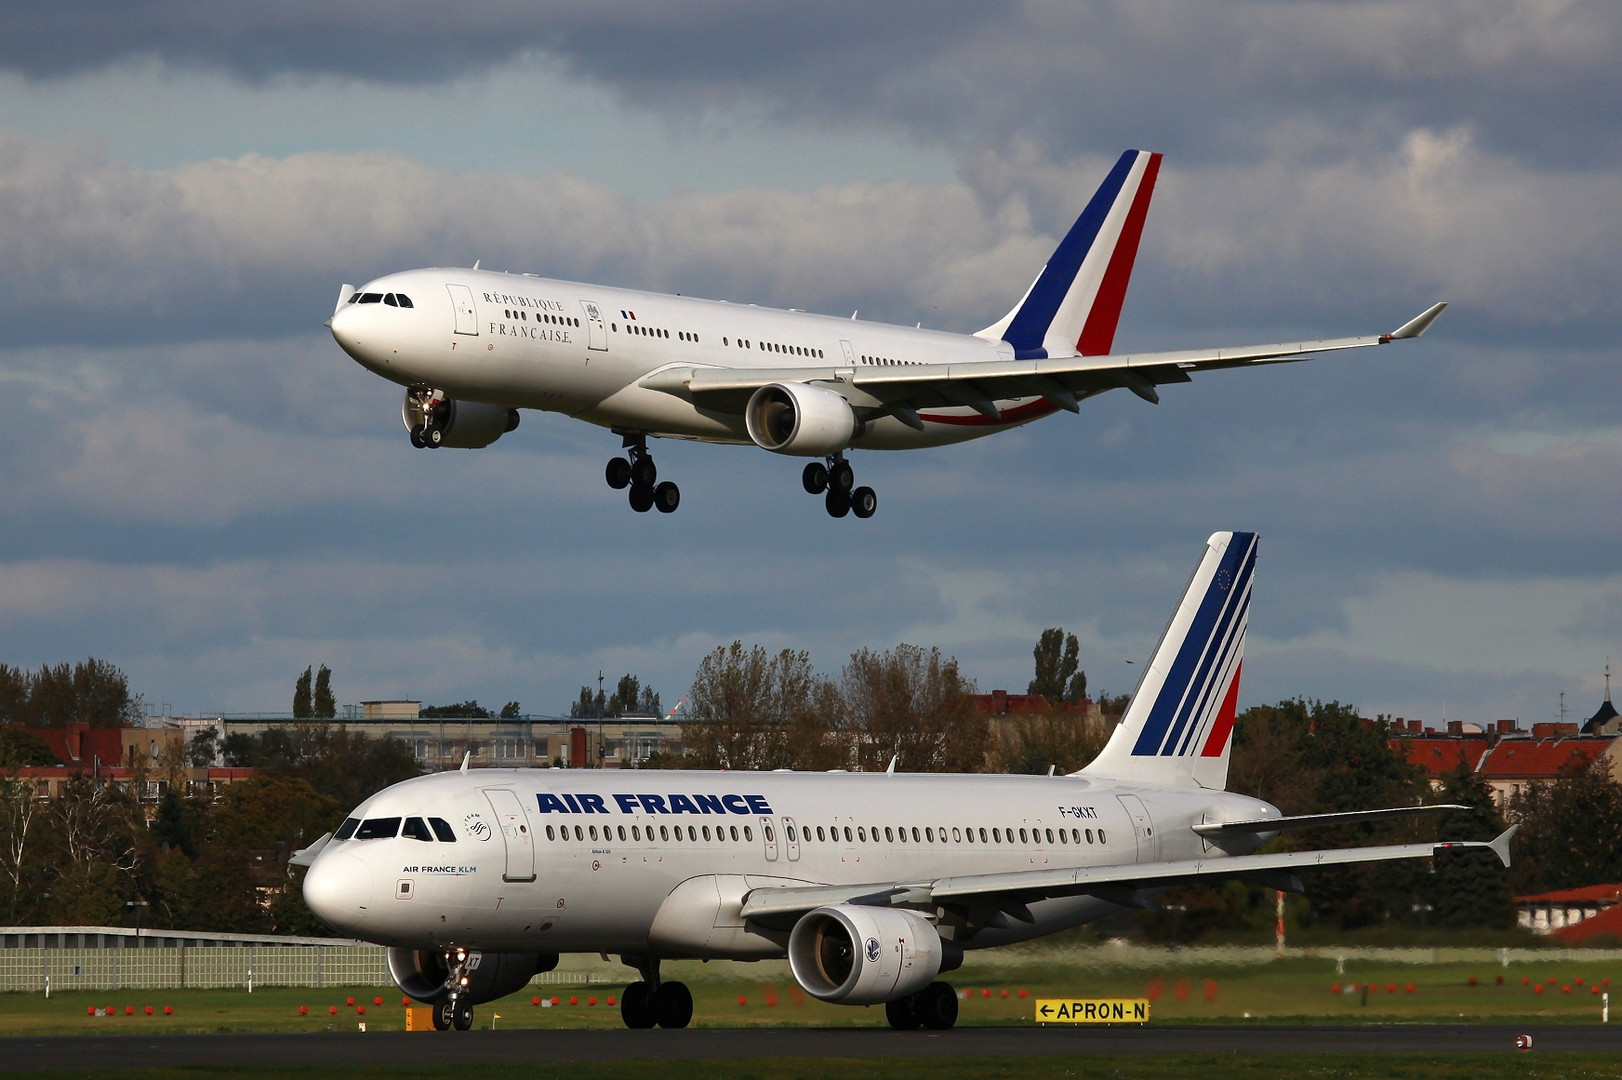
(1180, 722)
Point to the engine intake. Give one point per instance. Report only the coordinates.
(857, 955)
(423, 973)
(800, 419)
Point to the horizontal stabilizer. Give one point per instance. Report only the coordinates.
(1308, 821)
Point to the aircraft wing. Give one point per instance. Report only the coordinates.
(1308, 821)
(902, 390)
(1128, 884)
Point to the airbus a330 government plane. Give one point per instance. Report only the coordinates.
(474, 347)
(872, 885)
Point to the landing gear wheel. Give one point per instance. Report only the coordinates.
(673, 1003)
(432, 437)
(641, 498)
(667, 497)
(903, 1013)
(936, 1006)
(863, 502)
(462, 1014)
(644, 472)
(618, 473)
(442, 1015)
(416, 438)
(637, 1006)
(815, 478)
(841, 476)
(838, 503)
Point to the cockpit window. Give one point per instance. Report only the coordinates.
(370, 298)
(388, 298)
(405, 301)
(416, 829)
(378, 828)
(347, 829)
(442, 829)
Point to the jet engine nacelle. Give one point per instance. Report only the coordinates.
(423, 973)
(467, 425)
(800, 419)
(857, 955)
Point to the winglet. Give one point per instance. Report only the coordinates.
(1417, 325)
(1500, 846)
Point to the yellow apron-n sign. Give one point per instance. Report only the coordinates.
(1092, 1011)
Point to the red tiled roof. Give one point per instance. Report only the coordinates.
(1440, 756)
(1607, 923)
(93, 744)
(1588, 894)
(1542, 759)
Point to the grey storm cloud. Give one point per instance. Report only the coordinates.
(1209, 80)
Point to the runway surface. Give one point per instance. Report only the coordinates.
(402, 1048)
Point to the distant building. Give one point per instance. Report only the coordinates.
(1561, 912)
(1605, 720)
(1505, 757)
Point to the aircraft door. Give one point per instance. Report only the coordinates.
(768, 836)
(1143, 829)
(850, 352)
(513, 825)
(791, 839)
(467, 318)
(596, 332)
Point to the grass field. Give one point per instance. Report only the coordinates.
(1182, 991)
(1234, 1067)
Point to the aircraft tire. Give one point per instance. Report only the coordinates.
(416, 439)
(903, 1013)
(462, 1014)
(666, 497)
(442, 1014)
(936, 1006)
(618, 473)
(815, 478)
(863, 502)
(637, 1006)
(644, 473)
(673, 1003)
(641, 498)
(842, 476)
(837, 502)
(432, 437)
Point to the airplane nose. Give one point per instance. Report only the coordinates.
(338, 889)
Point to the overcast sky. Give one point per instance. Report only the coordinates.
(201, 488)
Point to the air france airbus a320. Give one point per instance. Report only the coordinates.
(871, 885)
(473, 347)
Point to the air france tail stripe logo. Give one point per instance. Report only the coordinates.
(1225, 718)
(1207, 658)
(1030, 324)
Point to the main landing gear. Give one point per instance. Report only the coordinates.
(934, 1007)
(835, 478)
(637, 472)
(651, 1003)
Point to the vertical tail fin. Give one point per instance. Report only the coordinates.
(1075, 302)
(1180, 723)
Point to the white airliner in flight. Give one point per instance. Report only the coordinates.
(872, 885)
(473, 347)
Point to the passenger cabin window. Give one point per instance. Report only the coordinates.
(378, 828)
(347, 829)
(417, 829)
(443, 830)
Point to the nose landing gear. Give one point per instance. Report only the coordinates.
(637, 472)
(455, 1008)
(428, 415)
(834, 482)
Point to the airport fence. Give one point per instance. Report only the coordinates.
(43, 960)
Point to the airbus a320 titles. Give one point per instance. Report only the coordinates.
(473, 347)
(871, 885)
